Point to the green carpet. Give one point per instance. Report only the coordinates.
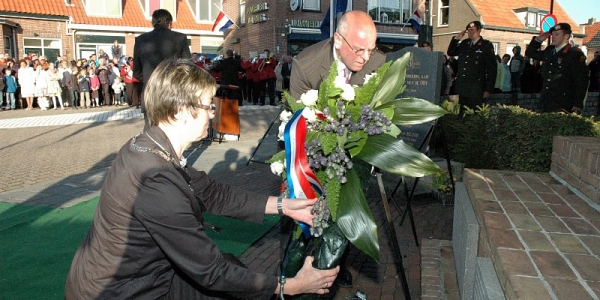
(37, 245)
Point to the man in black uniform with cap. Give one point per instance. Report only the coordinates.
(564, 73)
(476, 65)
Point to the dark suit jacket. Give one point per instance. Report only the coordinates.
(565, 76)
(153, 47)
(477, 67)
(313, 64)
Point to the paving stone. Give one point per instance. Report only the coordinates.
(581, 226)
(551, 198)
(551, 264)
(505, 195)
(514, 208)
(564, 211)
(522, 221)
(527, 288)
(553, 225)
(587, 266)
(495, 220)
(567, 243)
(592, 242)
(536, 240)
(568, 289)
(505, 238)
(539, 209)
(516, 262)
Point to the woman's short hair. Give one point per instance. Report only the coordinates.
(173, 86)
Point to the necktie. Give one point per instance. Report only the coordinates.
(347, 75)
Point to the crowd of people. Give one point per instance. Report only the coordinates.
(84, 83)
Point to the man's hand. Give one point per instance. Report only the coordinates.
(461, 34)
(299, 209)
(486, 94)
(542, 37)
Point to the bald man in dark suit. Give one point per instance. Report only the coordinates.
(353, 45)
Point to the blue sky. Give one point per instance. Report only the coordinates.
(580, 10)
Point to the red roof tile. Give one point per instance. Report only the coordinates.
(500, 12)
(133, 16)
(591, 31)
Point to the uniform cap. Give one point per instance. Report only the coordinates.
(565, 27)
(476, 24)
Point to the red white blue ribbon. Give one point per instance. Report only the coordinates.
(302, 182)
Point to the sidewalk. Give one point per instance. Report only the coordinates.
(61, 157)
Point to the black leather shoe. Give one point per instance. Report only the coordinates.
(344, 278)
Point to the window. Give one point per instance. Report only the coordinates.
(104, 8)
(509, 49)
(531, 17)
(314, 5)
(149, 6)
(51, 48)
(206, 10)
(242, 12)
(390, 11)
(8, 46)
(496, 47)
(444, 13)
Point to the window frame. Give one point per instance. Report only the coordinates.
(92, 11)
(41, 48)
(441, 15)
(403, 14)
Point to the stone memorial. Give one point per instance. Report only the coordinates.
(423, 81)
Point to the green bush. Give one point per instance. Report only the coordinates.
(509, 137)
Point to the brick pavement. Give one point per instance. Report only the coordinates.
(61, 165)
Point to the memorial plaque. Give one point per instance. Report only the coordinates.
(423, 81)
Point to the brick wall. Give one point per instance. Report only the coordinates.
(576, 160)
(530, 101)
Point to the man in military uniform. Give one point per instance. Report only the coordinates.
(564, 73)
(476, 65)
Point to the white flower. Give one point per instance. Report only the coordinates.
(281, 131)
(309, 114)
(285, 116)
(277, 168)
(310, 97)
(369, 76)
(347, 92)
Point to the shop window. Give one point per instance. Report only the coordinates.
(50, 48)
(390, 11)
(444, 13)
(149, 6)
(314, 5)
(104, 8)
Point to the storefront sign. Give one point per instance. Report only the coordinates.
(256, 8)
(305, 24)
(257, 18)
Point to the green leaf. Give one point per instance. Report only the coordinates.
(397, 157)
(333, 187)
(291, 102)
(409, 111)
(279, 156)
(356, 142)
(354, 217)
(392, 82)
(393, 131)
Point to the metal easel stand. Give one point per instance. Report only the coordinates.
(263, 138)
(393, 237)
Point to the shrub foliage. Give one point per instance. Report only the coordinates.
(509, 137)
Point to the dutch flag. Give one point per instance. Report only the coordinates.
(222, 23)
(415, 20)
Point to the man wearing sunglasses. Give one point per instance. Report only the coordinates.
(352, 45)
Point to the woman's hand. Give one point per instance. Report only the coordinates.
(310, 280)
(299, 209)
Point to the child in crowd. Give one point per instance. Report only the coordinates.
(11, 89)
(70, 79)
(94, 86)
(118, 87)
(84, 89)
(54, 89)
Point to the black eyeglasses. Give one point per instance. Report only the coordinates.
(211, 107)
(358, 52)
